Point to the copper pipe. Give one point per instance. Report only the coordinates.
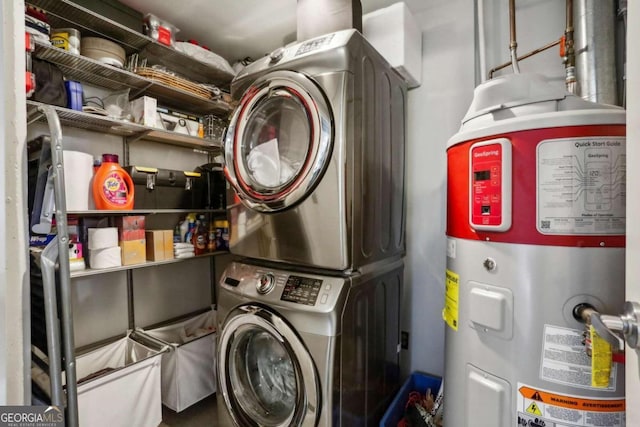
(513, 44)
(568, 34)
(569, 50)
(525, 56)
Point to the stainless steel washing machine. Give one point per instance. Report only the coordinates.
(315, 152)
(303, 349)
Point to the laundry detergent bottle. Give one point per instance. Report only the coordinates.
(112, 186)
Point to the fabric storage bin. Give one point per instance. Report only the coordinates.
(188, 370)
(125, 389)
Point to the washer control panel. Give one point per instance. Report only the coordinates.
(282, 288)
(301, 290)
(266, 283)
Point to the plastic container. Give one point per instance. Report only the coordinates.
(74, 95)
(112, 186)
(418, 381)
(67, 39)
(160, 30)
(103, 50)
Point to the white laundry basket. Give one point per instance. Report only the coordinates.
(126, 395)
(188, 370)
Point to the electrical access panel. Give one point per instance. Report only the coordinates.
(490, 185)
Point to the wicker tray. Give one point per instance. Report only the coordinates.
(173, 81)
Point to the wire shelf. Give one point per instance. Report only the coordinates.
(64, 13)
(89, 70)
(93, 272)
(85, 69)
(82, 120)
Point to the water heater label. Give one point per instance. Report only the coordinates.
(452, 292)
(540, 407)
(581, 186)
(564, 360)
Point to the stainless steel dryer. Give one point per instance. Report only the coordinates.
(299, 349)
(315, 152)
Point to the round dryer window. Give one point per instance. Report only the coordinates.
(262, 369)
(279, 141)
(267, 376)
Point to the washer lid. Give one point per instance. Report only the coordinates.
(517, 102)
(279, 141)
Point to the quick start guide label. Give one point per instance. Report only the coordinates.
(490, 181)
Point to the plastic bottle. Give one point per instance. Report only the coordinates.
(200, 236)
(184, 228)
(211, 244)
(222, 234)
(112, 186)
(191, 220)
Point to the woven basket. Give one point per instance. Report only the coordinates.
(173, 81)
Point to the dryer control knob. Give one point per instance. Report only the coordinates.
(265, 284)
(277, 54)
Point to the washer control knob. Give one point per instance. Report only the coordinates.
(277, 54)
(266, 283)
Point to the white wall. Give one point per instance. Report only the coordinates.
(435, 111)
(14, 287)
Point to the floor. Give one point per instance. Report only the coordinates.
(202, 414)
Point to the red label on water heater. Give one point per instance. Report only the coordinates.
(490, 180)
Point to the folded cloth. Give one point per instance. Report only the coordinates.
(185, 255)
(182, 245)
(183, 251)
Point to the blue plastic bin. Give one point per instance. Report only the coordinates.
(418, 381)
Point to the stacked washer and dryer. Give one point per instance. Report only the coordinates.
(308, 320)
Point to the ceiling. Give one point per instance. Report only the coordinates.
(237, 29)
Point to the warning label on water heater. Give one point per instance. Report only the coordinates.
(581, 186)
(543, 408)
(564, 360)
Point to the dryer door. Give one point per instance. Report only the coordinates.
(267, 376)
(279, 141)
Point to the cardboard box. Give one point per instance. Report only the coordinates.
(155, 245)
(159, 244)
(133, 251)
(130, 227)
(144, 111)
(168, 244)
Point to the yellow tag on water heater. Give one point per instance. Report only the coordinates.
(600, 360)
(452, 292)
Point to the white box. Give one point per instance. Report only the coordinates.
(129, 395)
(394, 33)
(188, 371)
(144, 112)
(178, 124)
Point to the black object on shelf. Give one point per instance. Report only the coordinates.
(213, 186)
(166, 189)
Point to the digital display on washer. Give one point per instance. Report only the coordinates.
(301, 290)
(314, 44)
